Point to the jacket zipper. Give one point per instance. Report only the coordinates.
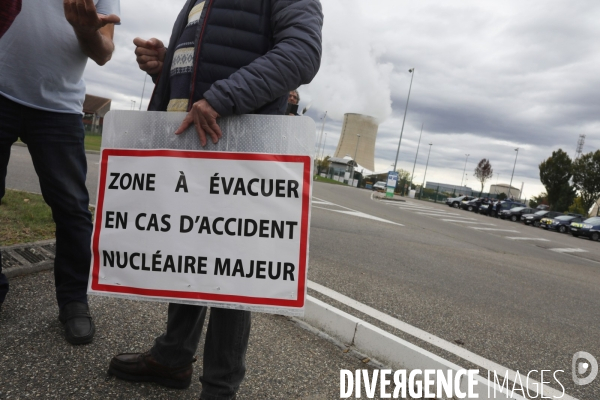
(197, 51)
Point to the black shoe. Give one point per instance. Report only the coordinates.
(76, 318)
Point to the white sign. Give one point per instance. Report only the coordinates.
(208, 228)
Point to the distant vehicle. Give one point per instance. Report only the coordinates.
(535, 218)
(380, 186)
(472, 205)
(514, 214)
(562, 223)
(455, 201)
(504, 205)
(589, 228)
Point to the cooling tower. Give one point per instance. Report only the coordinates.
(366, 127)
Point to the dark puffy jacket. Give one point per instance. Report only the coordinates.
(249, 54)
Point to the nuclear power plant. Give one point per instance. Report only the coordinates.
(366, 127)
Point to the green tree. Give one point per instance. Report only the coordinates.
(577, 207)
(403, 180)
(483, 171)
(586, 178)
(555, 173)
(538, 200)
(502, 196)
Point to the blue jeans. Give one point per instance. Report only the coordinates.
(224, 363)
(55, 142)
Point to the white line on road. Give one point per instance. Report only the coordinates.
(434, 340)
(569, 250)
(361, 215)
(467, 222)
(527, 238)
(438, 214)
(494, 229)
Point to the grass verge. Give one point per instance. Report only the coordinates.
(92, 142)
(327, 180)
(25, 217)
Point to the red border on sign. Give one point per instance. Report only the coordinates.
(298, 303)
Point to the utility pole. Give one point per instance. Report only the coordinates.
(416, 155)
(412, 75)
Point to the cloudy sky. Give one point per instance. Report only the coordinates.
(489, 77)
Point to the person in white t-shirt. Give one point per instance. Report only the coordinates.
(42, 58)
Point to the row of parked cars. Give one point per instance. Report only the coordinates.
(575, 224)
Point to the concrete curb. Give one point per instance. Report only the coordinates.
(387, 348)
(21, 144)
(381, 196)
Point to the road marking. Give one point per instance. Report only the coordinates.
(569, 250)
(437, 214)
(320, 202)
(525, 238)
(467, 222)
(361, 215)
(434, 340)
(494, 229)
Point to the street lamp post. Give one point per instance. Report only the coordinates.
(513, 173)
(321, 135)
(143, 88)
(426, 165)
(323, 151)
(412, 75)
(463, 177)
(354, 159)
(416, 155)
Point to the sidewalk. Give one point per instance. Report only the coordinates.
(285, 359)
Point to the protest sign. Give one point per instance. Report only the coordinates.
(226, 229)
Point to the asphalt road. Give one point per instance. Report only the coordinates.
(520, 303)
(509, 293)
(21, 173)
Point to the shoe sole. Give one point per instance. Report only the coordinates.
(144, 378)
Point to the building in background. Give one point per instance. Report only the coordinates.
(366, 127)
(447, 188)
(504, 188)
(94, 110)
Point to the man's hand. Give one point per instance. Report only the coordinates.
(150, 55)
(82, 15)
(204, 118)
(94, 31)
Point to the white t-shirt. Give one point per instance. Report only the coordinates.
(41, 63)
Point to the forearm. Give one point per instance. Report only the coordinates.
(97, 45)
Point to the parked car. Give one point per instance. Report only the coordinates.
(589, 228)
(380, 186)
(514, 214)
(455, 201)
(504, 205)
(473, 205)
(562, 223)
(535, 218)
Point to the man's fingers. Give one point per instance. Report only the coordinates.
(201, 132)
(187, 121)
(155, 43)
(215, 128)
(109, 19)
(142, 51)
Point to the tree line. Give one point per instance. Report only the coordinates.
(570, 185)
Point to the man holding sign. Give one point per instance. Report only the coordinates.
(225, 57)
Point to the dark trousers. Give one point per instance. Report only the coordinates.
(224, 364)
(55, 143)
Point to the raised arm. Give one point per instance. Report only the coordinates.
(94, 31)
